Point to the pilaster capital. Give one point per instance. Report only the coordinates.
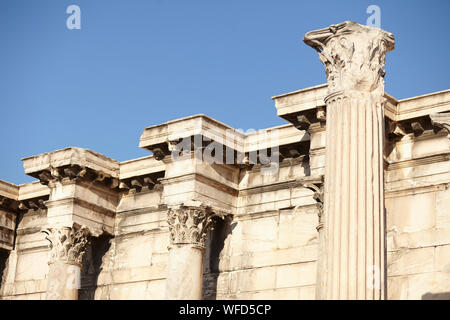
(316, 185)
(67, 244)
(353, 56)
(189, 224)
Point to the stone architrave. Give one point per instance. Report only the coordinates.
(354, 57)
(188, 228)
(67, 247)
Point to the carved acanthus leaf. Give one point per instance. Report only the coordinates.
(350, 63)
(189, 225)
(67, 244)
(318, 188)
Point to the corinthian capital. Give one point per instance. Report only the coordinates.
(67, 244)
(353, 55)
(189, 224)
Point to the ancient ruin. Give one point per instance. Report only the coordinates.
(348, 200)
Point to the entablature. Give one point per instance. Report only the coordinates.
(202, 133)
(73, 164)
(307, 106)
(141, 174)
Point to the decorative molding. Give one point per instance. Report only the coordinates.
(67, 244)
(317, 188)
(190, 224)
(396, 128)
(309, 120)
(269, 187)
(410, 163)
(33, 204)
(417, 128)
(8, 204)
(140, 211)
(353, 55)
(73, 173)
(139, 183)
(321, 114)
(158, 153)
(165, 149)
(408, 191)
(303, 122)
(441, 120)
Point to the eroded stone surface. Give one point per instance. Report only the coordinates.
(354, 57)
(265, 244)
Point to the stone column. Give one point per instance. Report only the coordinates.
(188, 227)
(67, 247)
(354, 56)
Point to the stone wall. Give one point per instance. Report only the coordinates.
(418, 216)
(176, 225)
(270, 247)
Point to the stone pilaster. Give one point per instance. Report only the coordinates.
(354, 56)
(67, 247)
(188, 228)
(321, 261)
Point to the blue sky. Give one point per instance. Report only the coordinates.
(138, 63)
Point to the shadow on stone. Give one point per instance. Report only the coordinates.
(211, 273)
(93, 265)
(436, 296)
(306, 166)
(3, 258)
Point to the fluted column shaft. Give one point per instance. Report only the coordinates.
(354, 217)
(67, 247)
(355, 230)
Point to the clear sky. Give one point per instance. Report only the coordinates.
(136, 63)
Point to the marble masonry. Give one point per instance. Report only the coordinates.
(349, 199)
